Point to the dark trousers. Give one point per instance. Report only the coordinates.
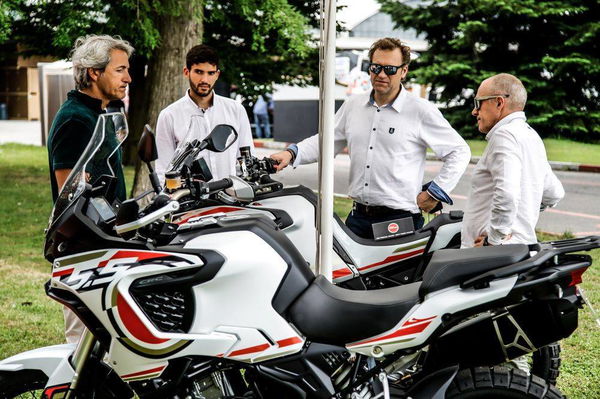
(360, 224)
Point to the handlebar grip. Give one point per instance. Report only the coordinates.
(219, 184)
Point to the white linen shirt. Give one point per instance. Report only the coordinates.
(183, 116)
(510, 182)
(387, 147)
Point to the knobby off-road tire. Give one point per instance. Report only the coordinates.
(26, 384)
(499, 383)
(546, 363)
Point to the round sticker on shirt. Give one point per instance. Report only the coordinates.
(393, 228)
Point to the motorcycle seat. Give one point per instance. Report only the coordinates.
(449, 267)
(329, 314)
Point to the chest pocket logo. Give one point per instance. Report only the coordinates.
(392, 130)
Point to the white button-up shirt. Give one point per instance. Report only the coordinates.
(510, 183)
(387, 147)
(184, 117)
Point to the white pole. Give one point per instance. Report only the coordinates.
(326, 132)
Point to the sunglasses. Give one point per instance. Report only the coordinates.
(387, 69)
(478, 100)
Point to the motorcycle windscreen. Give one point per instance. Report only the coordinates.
(110, 132)
(197, 131)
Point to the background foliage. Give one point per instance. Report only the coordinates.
(552, 46)
(261, 42)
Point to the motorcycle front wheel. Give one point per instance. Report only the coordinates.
(23, 384)
(499, 383)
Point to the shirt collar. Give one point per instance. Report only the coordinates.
(191, 102)
(507, 119)
(396, 104)
(93, 103)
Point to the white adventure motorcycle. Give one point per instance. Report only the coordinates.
(226, 307)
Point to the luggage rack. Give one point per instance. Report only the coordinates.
(545, 252)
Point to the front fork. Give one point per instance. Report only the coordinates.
(80, 356)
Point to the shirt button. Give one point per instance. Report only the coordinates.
(370, 148)
(366, 184)
(374, 129)
(368, 166)
(378, 110)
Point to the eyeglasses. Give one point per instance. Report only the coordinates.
(387, 69)
(478, 100)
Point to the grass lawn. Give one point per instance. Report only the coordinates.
(562, 150)
(28, 319)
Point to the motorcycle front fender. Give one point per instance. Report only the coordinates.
(46, 359)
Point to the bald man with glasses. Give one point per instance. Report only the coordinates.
(513, 179)
(387, 133)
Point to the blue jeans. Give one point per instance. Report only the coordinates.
(262, 119)
(360, 224)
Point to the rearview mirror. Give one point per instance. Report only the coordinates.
(147, 146)
(148, 153)
(221, 138)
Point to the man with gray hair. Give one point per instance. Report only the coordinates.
(513, 180)
(101, 74)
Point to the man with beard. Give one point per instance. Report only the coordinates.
(195, 114)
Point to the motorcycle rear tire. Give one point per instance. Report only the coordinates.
(546, 362)
(500, 383)
(22, 383)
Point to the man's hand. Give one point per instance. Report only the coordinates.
(426, 202)
(283, 159)
(480, 240)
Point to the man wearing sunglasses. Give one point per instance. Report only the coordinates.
(513, 180)
(387, 133)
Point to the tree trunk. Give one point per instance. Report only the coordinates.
(164, 82)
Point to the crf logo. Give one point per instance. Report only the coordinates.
(393, 228)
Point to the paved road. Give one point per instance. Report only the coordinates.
(24, 132)
(578, 212)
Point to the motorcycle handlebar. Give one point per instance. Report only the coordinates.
(219, 185)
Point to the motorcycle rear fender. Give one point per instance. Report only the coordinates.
(434, 386)
(46, 359)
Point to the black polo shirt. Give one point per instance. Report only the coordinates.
(69, 135)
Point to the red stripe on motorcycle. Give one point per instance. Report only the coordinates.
(133, 254)
(416, 321)
(252, 349)
(49, 392)
(403, 331)
(65, 272)
(221, 209)
(140, 373)
(393, 258)
(341, 273)
(133, 323)
(289, 341)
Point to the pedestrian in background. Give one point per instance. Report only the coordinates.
(262, 108)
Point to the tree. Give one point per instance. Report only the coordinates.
(552, 46)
